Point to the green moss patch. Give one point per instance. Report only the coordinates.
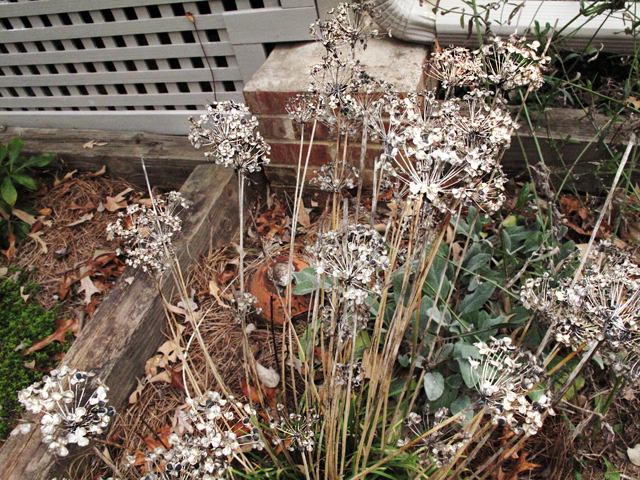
(21, 324)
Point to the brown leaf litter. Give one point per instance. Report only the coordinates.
(67, 246)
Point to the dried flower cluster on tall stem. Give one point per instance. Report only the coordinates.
(506, 377)
(147, 232)
(217, 430)
(74, 407)
(601, 307)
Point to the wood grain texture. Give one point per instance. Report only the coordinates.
(170, 159)
(128, 327)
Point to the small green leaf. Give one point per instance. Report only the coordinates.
(474, 301)
(454, 381)
(24, 180)
(3, 153)
(15, 147)
(468, 375)
(41, 160)
(306, 281)
(433, 385)
(460, 404)
(477, 261)
(404, 360)
(510, 221)
(8, 191)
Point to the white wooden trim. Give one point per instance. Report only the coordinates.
(128, 27)
(141, 76)
(168, 122)
(41, 7)
(269, 25)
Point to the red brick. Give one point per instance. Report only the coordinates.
(288, 153)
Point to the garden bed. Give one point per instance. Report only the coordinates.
(129, 325)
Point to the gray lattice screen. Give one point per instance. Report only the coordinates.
(133, 64)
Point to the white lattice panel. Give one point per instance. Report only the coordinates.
(134, 64)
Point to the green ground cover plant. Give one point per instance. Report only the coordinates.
(21, 324)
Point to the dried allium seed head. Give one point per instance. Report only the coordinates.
(506, 377)
(441, 446)
(231, 132)
(328, 181)
(513, 63)
(294, 431)
(456, 67)
(219, 428)
(353, 258)
(148, 232)
(74, 406)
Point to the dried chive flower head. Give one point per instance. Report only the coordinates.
(602, 306)
(504, 64)
(506, 377)
(304, 108)
(293, 431)
(343, 371)
(74, 406)
(442, 446)
(513, 63)
(447, 151)
(456, 67)
(353, 258)
(148, 232)
(328, 180)
(232, 133)
(219, 428)
(350, 24)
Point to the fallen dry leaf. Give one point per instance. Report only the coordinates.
(68, 176)
(154, 364)
(10, 252)
(176, 379)
(24, 297)
(303, 216)
(116, 203)
(93, 143)
(45, 211)
(24, 216)
(521, 466)
(161, 439)
(273, 221)
(135, 396)
(64, 326)
(180, 423)
(102, 171)
(635, 103)
(214, 290)
(227, 274)
(171, 351)
(86, 217)
(36, 236)
(89, 289)
(163, 376)
(268, 296)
